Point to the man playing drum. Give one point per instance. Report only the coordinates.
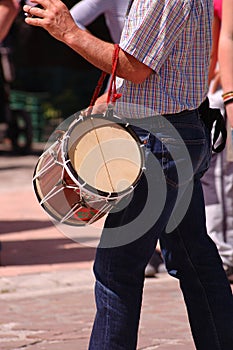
(163, 66)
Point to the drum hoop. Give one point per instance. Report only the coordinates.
(79, 181)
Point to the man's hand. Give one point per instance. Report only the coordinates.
(54, 17)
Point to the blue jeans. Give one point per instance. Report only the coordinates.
(189, 253)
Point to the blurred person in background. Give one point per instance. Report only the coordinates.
(218, 180)
(8, 12)
(226, 58)
(86, 11)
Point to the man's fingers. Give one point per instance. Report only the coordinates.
(33, 11)
(33, 21)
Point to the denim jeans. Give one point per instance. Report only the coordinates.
(189, 253)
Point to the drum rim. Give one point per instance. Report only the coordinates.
(73, 174)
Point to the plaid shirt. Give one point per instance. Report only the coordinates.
(173, 38)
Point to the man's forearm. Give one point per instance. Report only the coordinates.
(99, 53)
(94, 50)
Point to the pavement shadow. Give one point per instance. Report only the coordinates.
(44, 251)
(15, 167)
(8, 226)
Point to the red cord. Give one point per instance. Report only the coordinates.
(112, 94)
(98, 88)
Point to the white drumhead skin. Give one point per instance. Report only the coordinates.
(107, 158)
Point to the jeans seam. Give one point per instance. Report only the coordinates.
(108, 308)
(204, 292)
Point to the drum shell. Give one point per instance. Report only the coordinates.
(60, 189)
(57, 193)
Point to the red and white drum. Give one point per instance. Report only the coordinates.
(88, 170)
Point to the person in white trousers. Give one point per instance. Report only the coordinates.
(218, 180)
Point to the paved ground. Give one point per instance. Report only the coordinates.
(46, 280)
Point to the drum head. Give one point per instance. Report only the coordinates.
(105, 155)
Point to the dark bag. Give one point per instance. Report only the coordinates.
(213, 117)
